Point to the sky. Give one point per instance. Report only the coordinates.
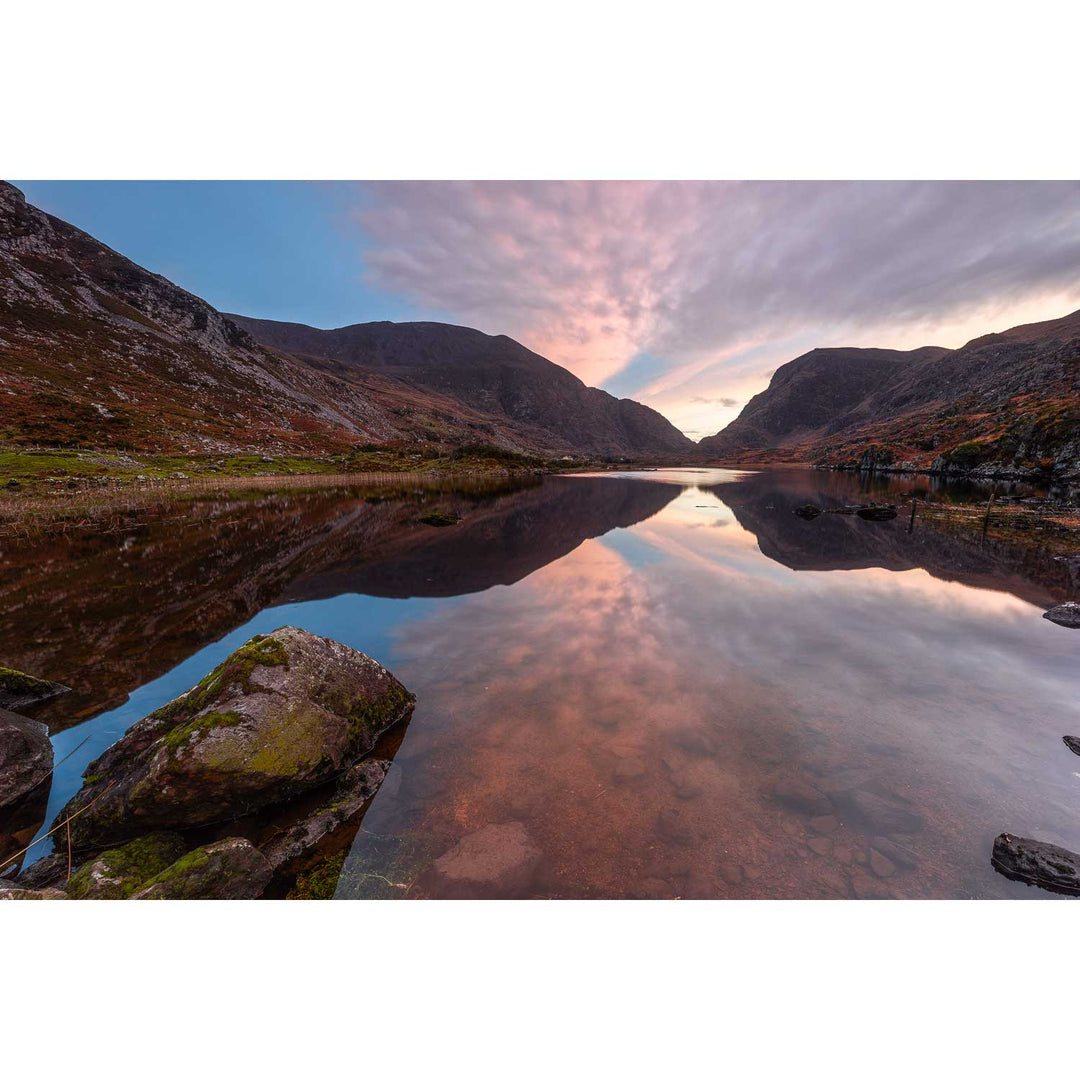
(683, 295)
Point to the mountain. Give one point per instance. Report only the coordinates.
(1002, 404)
(806, 395)
(497, 376)
(96, 352)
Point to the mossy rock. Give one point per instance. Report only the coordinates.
(116, 874)
(284, 713)
(232, 869)
(19, 690)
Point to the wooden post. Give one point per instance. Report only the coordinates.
(911, 523)
(986, 520)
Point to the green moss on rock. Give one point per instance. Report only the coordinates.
(185, 734)
(116, 874)
(18, 682)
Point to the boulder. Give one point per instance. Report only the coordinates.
(232, 869)
(1067, 614)
(26, 756)
(1072, 742)
(116, 874)
(45, 873)
(20, 691)
(1046, 865)
(284, 713)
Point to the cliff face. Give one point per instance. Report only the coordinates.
(98, 353)
(1004, 403)
(496, 376)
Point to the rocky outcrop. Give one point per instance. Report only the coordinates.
(1046, 865)
(26, 756)
(1067, 614)
(1072, 742)
(281, 715)
(231, 869)
(20, 691)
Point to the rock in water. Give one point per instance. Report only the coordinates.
(284, 713)
(1067, 614)
(807, 512)
(355, 788)
(877, 513)
(232, 869)
(26, 756)
(1046, 865)
(1072, 742)
(20, 691)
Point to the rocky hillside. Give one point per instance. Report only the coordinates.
(496, 376)
(1003, 404)
(806, 396)
(98, 353)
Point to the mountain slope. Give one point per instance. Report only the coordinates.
(806, 395)
(1005, 403)
(98, 353)
(495, 375)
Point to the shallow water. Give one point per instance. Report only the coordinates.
(651, 685)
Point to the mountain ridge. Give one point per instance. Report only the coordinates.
(1002, 404)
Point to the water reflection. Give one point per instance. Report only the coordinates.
(672, 686)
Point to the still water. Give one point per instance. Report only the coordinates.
(631, 685)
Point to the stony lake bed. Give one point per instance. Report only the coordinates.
(634, 685)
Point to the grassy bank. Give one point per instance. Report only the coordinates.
(73, 468)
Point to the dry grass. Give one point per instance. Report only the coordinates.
(108, 508)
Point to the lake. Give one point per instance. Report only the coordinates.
(652, 685)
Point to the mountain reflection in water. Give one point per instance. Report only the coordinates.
(627, 686)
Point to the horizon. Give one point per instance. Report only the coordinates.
(685, 296)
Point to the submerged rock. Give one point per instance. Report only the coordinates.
(284, 713)
(232, 869)
(501, 857)
(26, 756)
(1046, 865)
(19, 690)
(807, 512)
(1072, 742)
(116, 874)
(1067, 614)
